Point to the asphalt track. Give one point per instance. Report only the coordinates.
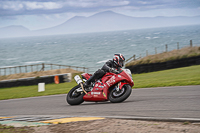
(162, 103)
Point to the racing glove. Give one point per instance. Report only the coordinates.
(112, 70)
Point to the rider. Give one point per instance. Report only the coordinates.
(110, 66)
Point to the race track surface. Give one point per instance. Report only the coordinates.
(161, 102)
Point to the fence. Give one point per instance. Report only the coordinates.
(144, 68)
(133, 58)
(37, 67)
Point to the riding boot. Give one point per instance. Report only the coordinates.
(88, 82)
(97, 75)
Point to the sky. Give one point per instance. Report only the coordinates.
(39, 14)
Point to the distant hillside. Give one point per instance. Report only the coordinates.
(110, 21)
(14, 31)
(103, 21)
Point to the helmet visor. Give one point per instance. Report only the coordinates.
(121, 63)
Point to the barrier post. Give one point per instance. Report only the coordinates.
(166, 47)
(134, 57)
(190, 43)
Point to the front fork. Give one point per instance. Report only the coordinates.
(119, 86)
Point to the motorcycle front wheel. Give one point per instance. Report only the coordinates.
(121, 95)
(74, 97)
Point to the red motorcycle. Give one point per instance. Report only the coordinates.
(115, 87)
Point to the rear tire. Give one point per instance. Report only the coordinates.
(75, 98)
(121, 95)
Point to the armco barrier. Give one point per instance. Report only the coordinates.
(35, 80)
(144, 68)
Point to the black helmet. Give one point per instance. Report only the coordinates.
(119, 60)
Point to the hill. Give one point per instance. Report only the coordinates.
(101, 22)
(111, 21)
(14, 31)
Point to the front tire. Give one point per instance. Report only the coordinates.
(121, 95)
(75, 98)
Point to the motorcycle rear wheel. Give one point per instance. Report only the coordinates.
(75, 98)
(121, 95)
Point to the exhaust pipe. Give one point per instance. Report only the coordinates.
(79, 81)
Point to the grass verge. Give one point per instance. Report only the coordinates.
(32, 91)
(173, 77)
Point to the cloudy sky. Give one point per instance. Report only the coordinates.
(38, 14)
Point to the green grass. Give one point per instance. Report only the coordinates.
(173, 77)
(32, 91)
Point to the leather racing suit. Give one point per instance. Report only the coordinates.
(107, 67)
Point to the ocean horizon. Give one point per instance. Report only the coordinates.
(92, 50)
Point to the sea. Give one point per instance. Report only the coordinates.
(92, 50)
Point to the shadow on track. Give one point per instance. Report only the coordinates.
(86, 103)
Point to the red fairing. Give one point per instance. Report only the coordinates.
(86, 75)
(100, 90)
(116, 78)
(99, 93)
(127, 78)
